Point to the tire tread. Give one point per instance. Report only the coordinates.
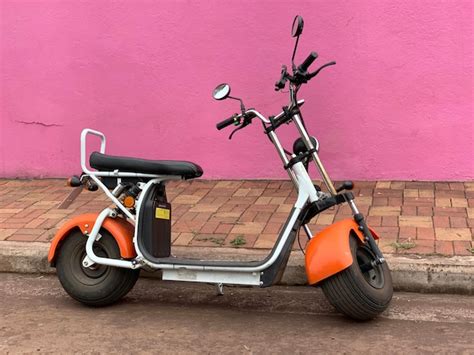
(345, 292)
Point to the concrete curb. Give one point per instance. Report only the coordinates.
(410, 273)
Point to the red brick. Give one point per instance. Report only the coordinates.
(256, 184)
(450, 211)
(248, 228)
(407, 233)
(450, 193)
(395, 201)
(5, 233)
(421, 247)
(184, 239)
(365, 192)
(276, 193)
(422, 185)
(250, 240)
(265, 241)
(399, 185)
(208, 240)
(248, 216)
(408, 211)
(9, 225)
(275, 184)
(262, 217)
(441, 221)
(388, 193)
(209, 227)
(23, 237)
(202, 217)
(374, 221)
(462, 247)
(418, 201)
(390, 221)
(457, 222)
(263, 208)
(46, 236)
(188, 226)
(425, 233)
(29, 213)
(470, 222)
(444, 247)
(387, 232)
(424, 211)
(23, 220)
(255, 192)
(271, 228)
(224, 228)
(380, 201)
(456, 186)
(442, 186)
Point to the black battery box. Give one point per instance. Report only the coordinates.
(155, 223)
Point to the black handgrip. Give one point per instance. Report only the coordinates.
(226, 122)
(308, 61)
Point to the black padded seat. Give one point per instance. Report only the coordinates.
(105, 162)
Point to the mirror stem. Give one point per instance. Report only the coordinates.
(294, 53)
(242, 107)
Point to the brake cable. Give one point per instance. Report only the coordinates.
(246, 121)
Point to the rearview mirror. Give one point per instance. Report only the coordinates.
(221, 92)
(297, 27)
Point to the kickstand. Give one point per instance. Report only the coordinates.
(220, 289)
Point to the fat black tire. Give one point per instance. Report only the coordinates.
(360, 295)
(98, 286)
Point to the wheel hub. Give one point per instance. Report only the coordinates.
(371, 271)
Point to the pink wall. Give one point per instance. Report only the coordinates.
(397, 106)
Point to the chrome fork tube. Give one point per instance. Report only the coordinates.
(353, 207)
(317, 161)
(284, 158)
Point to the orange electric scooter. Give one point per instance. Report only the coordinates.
(98, 257)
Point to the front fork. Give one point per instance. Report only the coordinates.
(358, 217)
(369, 238)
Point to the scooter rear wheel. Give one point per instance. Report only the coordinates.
(99, 285)
(360, 294)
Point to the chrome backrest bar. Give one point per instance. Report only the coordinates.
(84, 134)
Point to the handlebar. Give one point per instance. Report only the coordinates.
(227, 122)
(307, 62)
(300, 73)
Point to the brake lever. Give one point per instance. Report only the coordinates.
(312, 75)
(280, 84)
(246, 121)
(234, 131)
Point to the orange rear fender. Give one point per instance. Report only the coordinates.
(119, 228)
(329, 252)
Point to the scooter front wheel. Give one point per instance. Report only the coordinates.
(359, 292)
(99, 285)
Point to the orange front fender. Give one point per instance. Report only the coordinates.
(328, 252)
(119, 228)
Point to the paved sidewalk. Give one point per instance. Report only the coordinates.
(427, 218)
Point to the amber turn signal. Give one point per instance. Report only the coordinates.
(74, 181)
(129, 201)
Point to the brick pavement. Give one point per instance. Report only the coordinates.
(411, 217)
